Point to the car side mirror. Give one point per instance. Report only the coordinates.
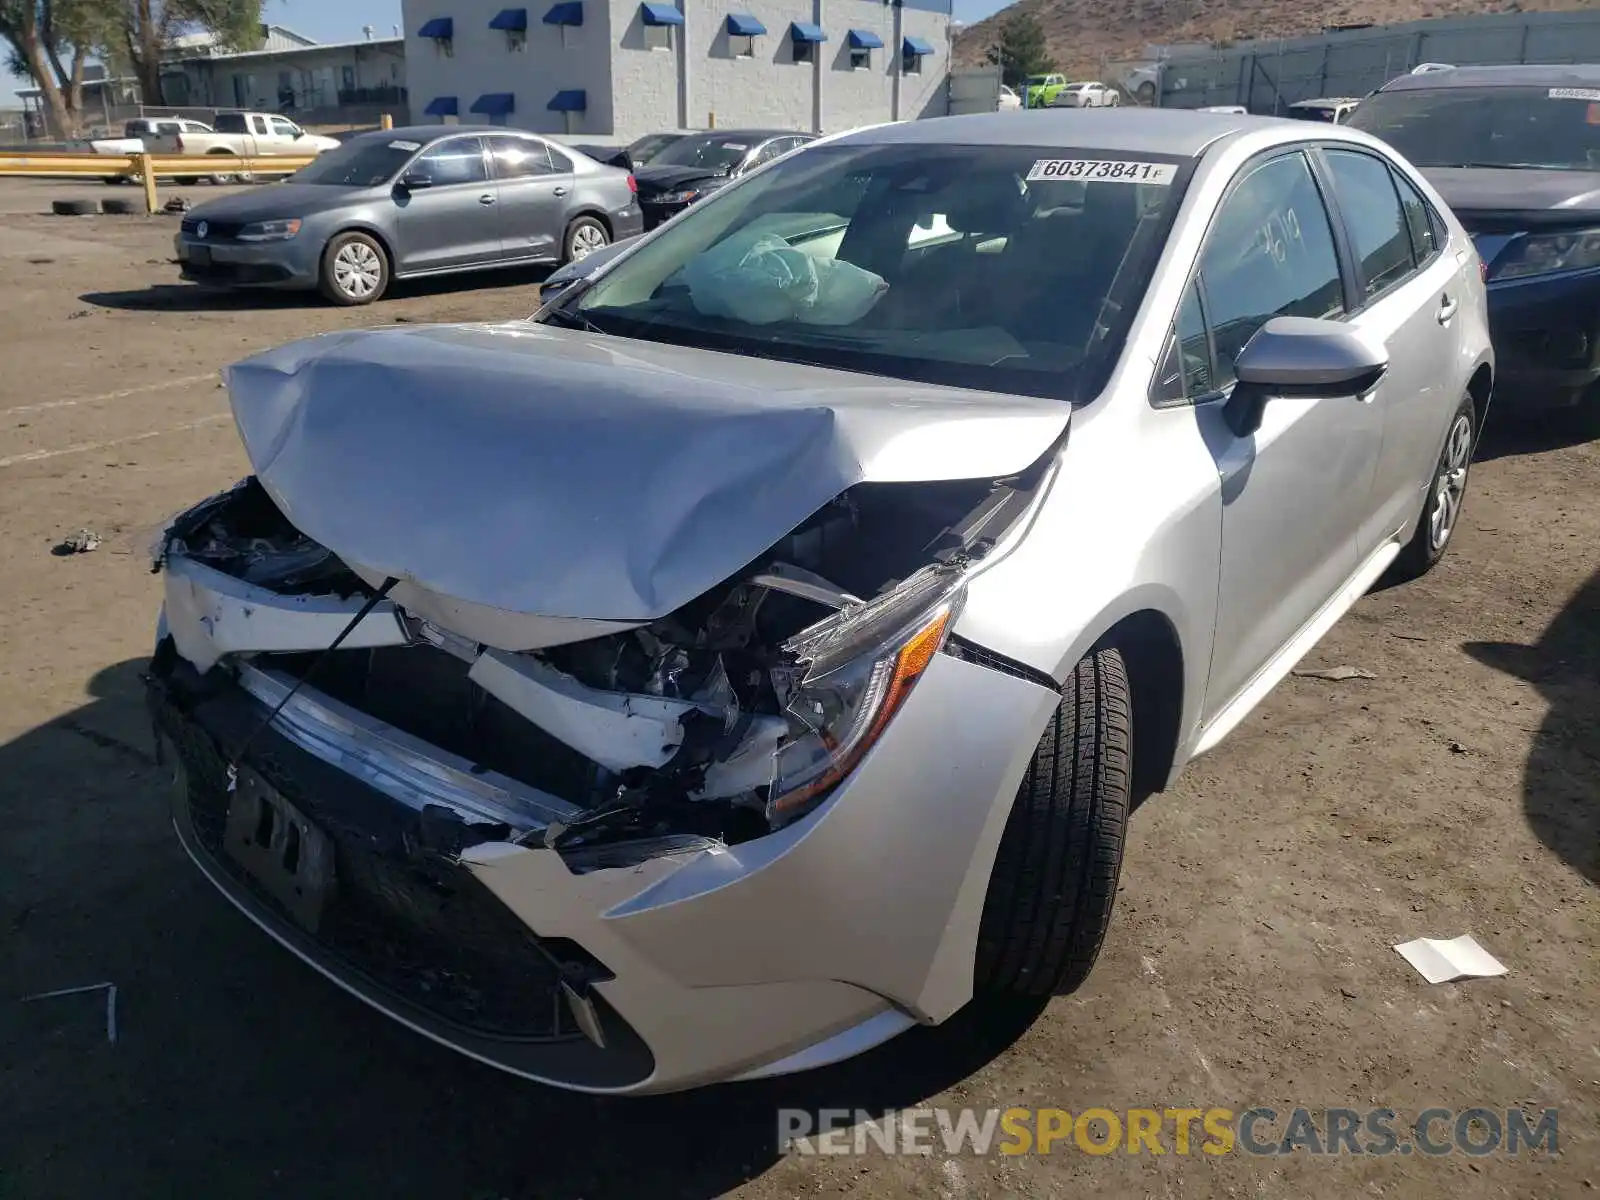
(412, 180)
(1300, 358)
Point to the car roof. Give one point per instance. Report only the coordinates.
(1181, 132)
(1516, 75)
(1326, 102)
(748, 133)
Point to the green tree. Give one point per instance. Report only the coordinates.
(139, 31)
(52, 40)
(1021, 50)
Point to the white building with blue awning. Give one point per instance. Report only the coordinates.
(612, 70)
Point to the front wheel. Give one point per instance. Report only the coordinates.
(584, 237)
(1055, 873)
(355, 270)
(1441, 509)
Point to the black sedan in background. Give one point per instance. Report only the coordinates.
(1515, 152)
(697, 164)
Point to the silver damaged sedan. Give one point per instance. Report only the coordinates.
(757, 652)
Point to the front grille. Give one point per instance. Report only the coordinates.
(216, 231)
(412, 922)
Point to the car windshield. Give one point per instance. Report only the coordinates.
(713, 153)
(648, 147)
(1552, 128)
(362, 163)
(1313, 112)
(1006, 268)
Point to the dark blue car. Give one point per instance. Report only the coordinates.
(1515, 152)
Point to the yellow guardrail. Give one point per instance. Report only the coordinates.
(145, 168)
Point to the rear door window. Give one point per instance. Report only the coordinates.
(1370, 209)
(1421, 220)
(519, 158)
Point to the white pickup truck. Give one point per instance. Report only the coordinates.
(136, 133)
(245, 135)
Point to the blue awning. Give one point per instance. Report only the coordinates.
(443, 106)
(744, 25)
(438, 27)
(660, 14)
(864, 39)
(916, 47)
(576, 100)
(802, 31)
(570, 13)
(494, 104)
(512, 20)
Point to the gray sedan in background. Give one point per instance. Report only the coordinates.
(401, 203)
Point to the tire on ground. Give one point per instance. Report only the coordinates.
(578, 225)
(327, 280)
(75, 208)
(122, 206)
(218, 179)
(1055, 874)
(1420, 555)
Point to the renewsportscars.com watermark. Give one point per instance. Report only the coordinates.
(1259, 1131)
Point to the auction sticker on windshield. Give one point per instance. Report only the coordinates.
(1111, 170)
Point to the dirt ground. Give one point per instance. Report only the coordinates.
(1250, 960)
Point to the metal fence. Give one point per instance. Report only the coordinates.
(1267, 77)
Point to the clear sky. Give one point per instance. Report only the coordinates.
(341, 21)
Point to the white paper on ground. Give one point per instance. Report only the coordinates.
(1441, 961)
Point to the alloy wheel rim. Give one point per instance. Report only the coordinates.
(586, 240)
(356, 270)
(1450, 485)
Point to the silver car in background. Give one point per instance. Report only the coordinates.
(403, 203)
(759, 652)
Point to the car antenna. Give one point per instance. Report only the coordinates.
(366, 609)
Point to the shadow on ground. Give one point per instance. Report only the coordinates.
(193, 297)
(1561, 782)
(1512, 435)
(239, 1071)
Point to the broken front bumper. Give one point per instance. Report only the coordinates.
(412, 879)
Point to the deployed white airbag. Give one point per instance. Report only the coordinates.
(759, 278)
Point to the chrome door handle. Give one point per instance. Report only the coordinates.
(486, 198)
(1447, 309)
(560, 191)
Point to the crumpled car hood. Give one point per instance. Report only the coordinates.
(542, 471)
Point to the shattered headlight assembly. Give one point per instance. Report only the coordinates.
(270, 231)
(856, 669)
(1548, 253)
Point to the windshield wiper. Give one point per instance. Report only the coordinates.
(572, 320)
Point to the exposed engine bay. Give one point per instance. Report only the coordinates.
(725, 719)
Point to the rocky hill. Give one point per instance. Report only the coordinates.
(1085, 34)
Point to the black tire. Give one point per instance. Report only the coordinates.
(223, 178)
(75, 208)
(113, 180)
(329, 281)
(1423, 552)
(121, 206)
(1055, 874)
(583, 227)
(1147, 93)
(186, 180)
